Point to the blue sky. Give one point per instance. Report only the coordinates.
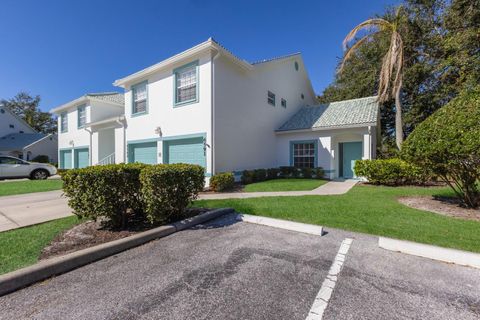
(63, 49)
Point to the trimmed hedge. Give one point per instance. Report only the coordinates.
(41, 159)
(390, 172)
(258, 175)
(168, 189)
(118, 193)
(111, 191)
(222, 181)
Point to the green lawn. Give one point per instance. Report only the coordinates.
(367, 209)
(284, 185)
(28, 186)
(21, 247)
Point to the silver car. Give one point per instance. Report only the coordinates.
(11, 167)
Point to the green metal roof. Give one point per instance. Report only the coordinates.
(347, 113)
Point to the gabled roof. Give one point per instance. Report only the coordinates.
(17, 141)
(112, 98)
(7, 109)
(340, 114)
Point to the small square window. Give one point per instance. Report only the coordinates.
(12, 126)
(271, 98)
(139, 98)
(284, 103)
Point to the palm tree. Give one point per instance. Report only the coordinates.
(391, 73)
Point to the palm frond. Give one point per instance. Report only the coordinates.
(368, 24)
(351, 51)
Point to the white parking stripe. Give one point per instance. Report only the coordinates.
(321, 300)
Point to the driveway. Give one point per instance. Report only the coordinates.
(27, 209)
(235, 270)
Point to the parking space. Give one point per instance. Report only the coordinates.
(235, 270)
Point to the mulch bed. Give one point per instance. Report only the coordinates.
(446, 206)
(91, 233)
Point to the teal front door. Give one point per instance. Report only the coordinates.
(81, 158)
(143, 152)
(65, 159)
(349, 153)
(190, 151)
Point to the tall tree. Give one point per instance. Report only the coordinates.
(27, 108)
(391, 73)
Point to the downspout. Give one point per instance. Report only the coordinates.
(212, 98)
(124, 142)
(370, 154)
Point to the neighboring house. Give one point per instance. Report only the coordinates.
(209, 107)
(86, 129)
(27, 146)
(19, 140)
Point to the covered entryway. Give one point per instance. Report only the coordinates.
(81, 158)
(65, 159)
(349, 153)
(190, 150)
(143, 152)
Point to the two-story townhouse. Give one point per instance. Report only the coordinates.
(207, 106)
(86, 129)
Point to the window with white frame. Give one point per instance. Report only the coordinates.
(271, 98)
(186, 81)
(284, 103)
(82, 116)
(139, 94)
(64, 122)
(304, 154)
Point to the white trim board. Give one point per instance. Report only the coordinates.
(282, 224)
(459, 257)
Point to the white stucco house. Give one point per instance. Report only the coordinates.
(18, 139)
(209, 107)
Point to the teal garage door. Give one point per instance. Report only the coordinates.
(65, 159)
(349, 153)
(81, 158)
(190, 151)
(143, 152)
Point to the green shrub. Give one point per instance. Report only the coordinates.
(272, 173)
(41, 159)
(307, 173)
(167, 189)
(259, 175)
(222, 181)
(319, 173)
(286, 171)
(390, 172)
(247, 177)
(111, 192)
(448, 143)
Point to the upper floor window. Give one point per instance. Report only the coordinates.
(139, 101)
(82, 116)
(271, 98)
(284, 103)
(302, 96)
(186, 83)
(63, 122)
(11, 126)
(296, 65)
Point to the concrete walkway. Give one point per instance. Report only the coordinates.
(32, 208)
(330, 188)
(28, 209)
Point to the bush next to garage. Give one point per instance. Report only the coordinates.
(222, 181)
(390, 172)
(111, 192)
(284, 172)
(41, 158)
(448, 143)
(167, 189)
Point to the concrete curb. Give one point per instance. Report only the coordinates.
(21, 278)
(282, 224)
(459, 257)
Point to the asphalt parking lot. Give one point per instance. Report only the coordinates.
(235, 270)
